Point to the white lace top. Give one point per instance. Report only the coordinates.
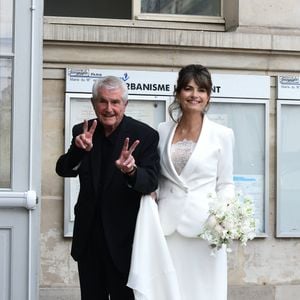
(180, 153)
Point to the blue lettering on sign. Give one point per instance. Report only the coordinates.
(243, 178)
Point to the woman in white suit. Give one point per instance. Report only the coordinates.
(196, 161)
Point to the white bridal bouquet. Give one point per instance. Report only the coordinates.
(229, 219)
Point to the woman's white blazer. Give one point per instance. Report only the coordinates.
(183, 199)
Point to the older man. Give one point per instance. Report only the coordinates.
(117, 162)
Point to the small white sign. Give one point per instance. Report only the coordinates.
(288, 87)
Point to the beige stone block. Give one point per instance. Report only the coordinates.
(57, 267)
(261, 292)
(59, 294)
(52, 136)
(287, 292)
(270, 13)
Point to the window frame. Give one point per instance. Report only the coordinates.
(138, 15)
(227, 20)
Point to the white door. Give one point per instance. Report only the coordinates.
(20, 151)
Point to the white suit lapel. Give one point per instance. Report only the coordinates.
(166, 161)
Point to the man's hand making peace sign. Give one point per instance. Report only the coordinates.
(126, 162)
(85, 140)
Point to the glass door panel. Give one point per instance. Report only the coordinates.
(6, 67)
(6, 26)
(5, 121)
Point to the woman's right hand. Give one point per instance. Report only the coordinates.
(154, 196)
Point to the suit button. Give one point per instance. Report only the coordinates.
(171, 190)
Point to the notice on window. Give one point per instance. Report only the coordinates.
(252, 185)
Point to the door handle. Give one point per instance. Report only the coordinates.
(27, 199)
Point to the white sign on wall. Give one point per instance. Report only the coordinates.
(163, 83)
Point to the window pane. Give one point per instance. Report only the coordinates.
(290, 169)
(6, 26)
(186, 7)
(112, 9)
(5, 121)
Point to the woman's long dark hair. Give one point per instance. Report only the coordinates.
(202, 78)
